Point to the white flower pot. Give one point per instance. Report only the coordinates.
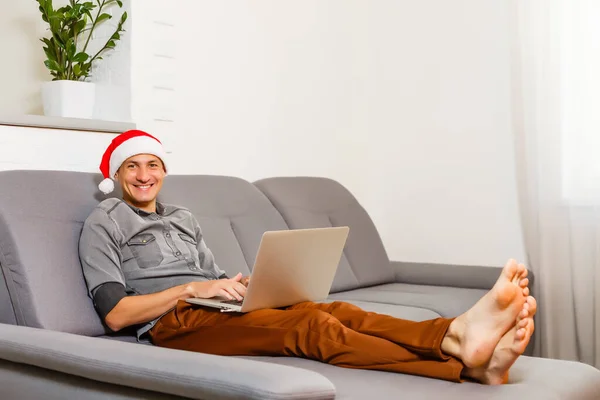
(70, 99)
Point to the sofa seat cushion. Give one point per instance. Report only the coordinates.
(404, 312)
(443, 300)
(532, 378)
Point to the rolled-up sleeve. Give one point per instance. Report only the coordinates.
(100, 256)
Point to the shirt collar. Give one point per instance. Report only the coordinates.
(160, 209)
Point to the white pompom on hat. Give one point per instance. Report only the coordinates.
(127, 144)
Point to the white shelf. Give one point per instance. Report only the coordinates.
(75, 124)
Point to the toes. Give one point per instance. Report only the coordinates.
(520, 334)
(525, 272)
(532, 302)
(523, 323)
(510, 269)
(524, 282)
(519, 272)
(524, 313)
(526, 292)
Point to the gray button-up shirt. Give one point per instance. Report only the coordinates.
(144, 252)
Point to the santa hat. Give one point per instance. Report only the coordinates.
(126, 145)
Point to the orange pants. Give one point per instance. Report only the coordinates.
(336, 333)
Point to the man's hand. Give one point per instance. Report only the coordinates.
(230, 288)
(245, 280)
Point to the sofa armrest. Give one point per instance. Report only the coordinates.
(175, 372)
(462, 276)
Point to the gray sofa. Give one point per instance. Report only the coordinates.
(53, 345)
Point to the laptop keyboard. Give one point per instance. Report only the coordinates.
(233, 302)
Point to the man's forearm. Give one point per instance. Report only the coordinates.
(139, 309)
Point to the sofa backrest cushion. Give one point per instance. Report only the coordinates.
(233, 214)
(41, 216)
(307, 202)
(7, 313)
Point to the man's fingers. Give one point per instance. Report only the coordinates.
(240, 288)
(224, 293)
(233, 293)
(238, 277)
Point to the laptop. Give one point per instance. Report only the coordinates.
(291, 266)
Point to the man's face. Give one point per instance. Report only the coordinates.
(141, 178)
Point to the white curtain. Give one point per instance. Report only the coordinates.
(556, 109)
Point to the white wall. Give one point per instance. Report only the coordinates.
(405, 103)
(22, 66)
(22, 69)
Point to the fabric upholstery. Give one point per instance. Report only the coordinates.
(7, 314)
(463, 276)
(404, 312)
(182, 373)
(531, 378)
(38, 244)
(24, 382)
(306, 202)
(41, 214)
(232, 213)
(445, 301)
(40, 221)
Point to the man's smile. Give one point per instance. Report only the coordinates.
(144, 187)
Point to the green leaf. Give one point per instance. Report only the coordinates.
(77, 69)
(55, 23)
(81, 57)
(110, 44)
(79, 26)
(58, 40)
(85, 68)
(103, 17)
(44, 18)
(50, 54)
(52, 65)
(71, 49)
(124, 17)
(120, 3)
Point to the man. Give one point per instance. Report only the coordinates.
(142, 259)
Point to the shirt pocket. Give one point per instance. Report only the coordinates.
(191, 246)
(146, 250)
(188, 239)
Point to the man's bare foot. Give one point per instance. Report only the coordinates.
(510, 347)
(473, 336)
(523, 280)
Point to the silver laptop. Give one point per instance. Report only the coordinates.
(291, 266)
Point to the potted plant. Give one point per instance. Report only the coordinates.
(68, 55)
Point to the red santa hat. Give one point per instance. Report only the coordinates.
(126, 145)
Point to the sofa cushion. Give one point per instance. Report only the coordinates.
(7, 314)
(307, 202)
(232, 213)
(41, 215)
(403, 312)
(443, 300)
(533, 378)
